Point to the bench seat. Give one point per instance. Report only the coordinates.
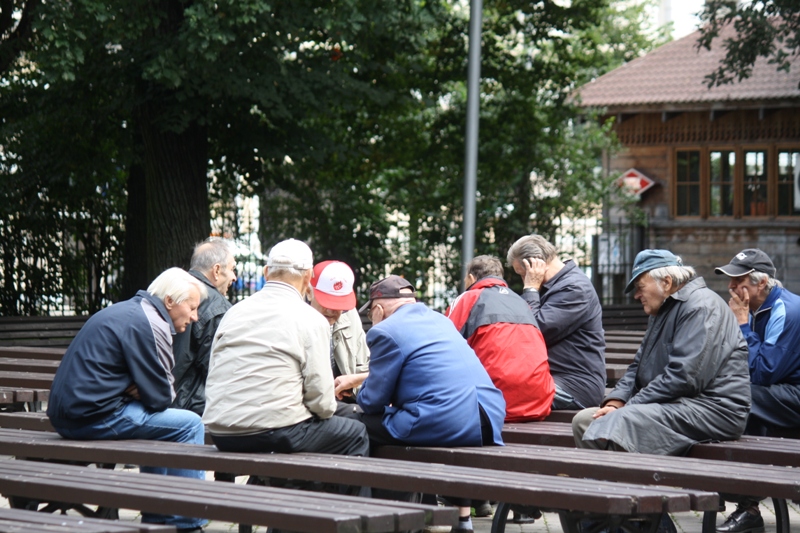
(281, 508)
(519, 488)
(30, 352)
(33, 522)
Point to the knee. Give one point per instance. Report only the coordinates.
(194, 430)
(581, 422)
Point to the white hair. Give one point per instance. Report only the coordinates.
(756, 277)
(177, 284)
(284, 272)
(679, 274)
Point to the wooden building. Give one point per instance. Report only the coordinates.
(726, 160)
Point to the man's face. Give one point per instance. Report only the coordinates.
(331, 315)
(741, 285)
(650, 293)
(227, 275)
(184, 313)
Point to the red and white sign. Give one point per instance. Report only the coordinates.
(634, 182)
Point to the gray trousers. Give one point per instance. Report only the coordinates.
(580, 423)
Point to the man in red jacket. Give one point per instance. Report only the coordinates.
(500, 328)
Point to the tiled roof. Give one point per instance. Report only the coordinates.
(674, 74)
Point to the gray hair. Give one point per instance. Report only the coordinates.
(534, 246)
(210, 252)
(679, 274)
(756, 277)
(177, 284)
(485, 265)
(286, 272)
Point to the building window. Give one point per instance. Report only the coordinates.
(688, 184)
(737, 182)
(722, 165)
(788, 183)
(755, 184)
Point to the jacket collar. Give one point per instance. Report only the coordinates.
(160, 307)
(569, 265)
(488, 281)
(202, 277)
(769, 302)
(688, 288)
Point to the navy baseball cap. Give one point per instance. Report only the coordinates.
(388, 287)
(746, 261)
(647, 260)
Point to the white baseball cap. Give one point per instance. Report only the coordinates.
(333, 285)
(291, 253)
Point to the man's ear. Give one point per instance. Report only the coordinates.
(266, 272)
(169, 303)
(216, 270)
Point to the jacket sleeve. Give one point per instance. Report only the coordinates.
(318, 394)
(770, 360)
(691, 357)
(386, 362)
(626, 387)
(564, 311)
(148, 353)
(202, 339)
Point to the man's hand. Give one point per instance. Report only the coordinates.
(133, 392)
(740, 306)
(534, 272)
(344, 385)
(611, 405)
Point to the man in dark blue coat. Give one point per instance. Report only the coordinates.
(115, 379)
(426, 387)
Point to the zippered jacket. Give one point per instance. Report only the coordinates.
(129, 343)
(500, 327)
(773, 339)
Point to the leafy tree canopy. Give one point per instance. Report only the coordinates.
(346, 118)
(766, 28)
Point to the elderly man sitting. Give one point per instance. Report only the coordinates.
(688, 381)
(115, 380)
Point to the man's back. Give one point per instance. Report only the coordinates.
(432, 379)
(270, 364)
(569, 316)
(499, 326)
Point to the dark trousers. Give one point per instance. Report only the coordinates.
(773, 407)
(380, 436)
(335, 435)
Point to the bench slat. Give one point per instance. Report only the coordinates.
(523, 488)
(82, 523)
(281, 508)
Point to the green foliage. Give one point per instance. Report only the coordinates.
(765, 28)
(346, 119)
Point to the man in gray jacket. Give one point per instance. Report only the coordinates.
(689, 380)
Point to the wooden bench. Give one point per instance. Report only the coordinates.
(32, 522)
(40, 330)
(280, 508)
(17, 364)
(552, 492)
(31, 352)
(625, 317)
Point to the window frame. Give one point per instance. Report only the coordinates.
(771, 150)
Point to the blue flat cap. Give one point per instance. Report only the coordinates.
(647, 260)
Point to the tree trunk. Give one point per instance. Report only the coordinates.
(177, 197)
(135, 264)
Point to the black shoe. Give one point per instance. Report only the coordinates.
(483, 510)
(742, 521)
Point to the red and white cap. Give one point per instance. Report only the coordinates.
(333, 285)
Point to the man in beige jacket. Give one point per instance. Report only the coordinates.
(270, 386)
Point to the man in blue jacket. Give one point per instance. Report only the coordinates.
(115, 379)
(769, 317)
(426, 387)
